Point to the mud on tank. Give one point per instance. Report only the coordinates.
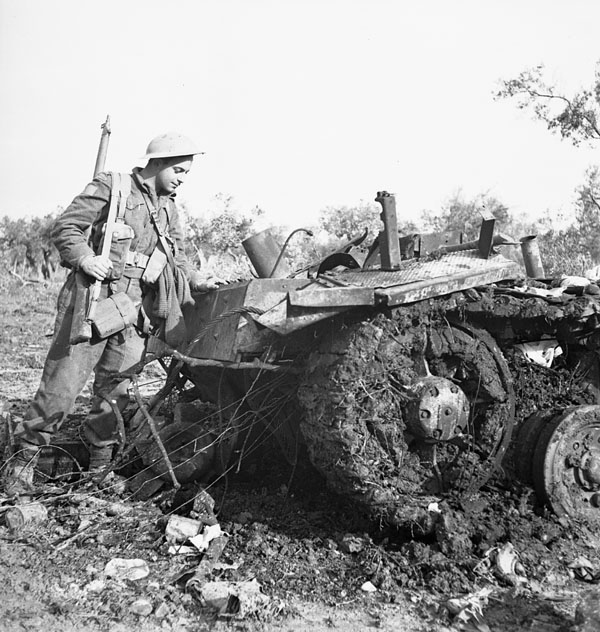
(412, 370)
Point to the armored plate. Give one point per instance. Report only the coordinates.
(287, 305)
(415, 270)
(415, 280)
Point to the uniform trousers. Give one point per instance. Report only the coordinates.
(67, 369)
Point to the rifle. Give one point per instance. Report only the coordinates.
(102, 147)
(81, 326)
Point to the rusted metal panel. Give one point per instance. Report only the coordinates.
(209, 324)
(284, 318)
(266, 293)
(218, 316)
(419, 290)
(292, 304)
(415, 270)
(332, 297)
(451, 273)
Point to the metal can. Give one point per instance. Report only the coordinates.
(180, 528)
(25, 516)
(532, 258)
(263, 250)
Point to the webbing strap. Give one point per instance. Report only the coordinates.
(124, 191)
(161, 236)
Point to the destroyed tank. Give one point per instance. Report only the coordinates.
(411, 370)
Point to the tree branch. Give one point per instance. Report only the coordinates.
(594, 200)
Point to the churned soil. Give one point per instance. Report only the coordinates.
(495, 560)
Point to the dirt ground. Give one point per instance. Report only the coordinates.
(495, 562)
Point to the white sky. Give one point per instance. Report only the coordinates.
(299, 104)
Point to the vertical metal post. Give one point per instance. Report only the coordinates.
(389, 243)
(486, 234)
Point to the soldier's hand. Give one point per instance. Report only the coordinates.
(212, 283)
(198, 284)
(96, 266)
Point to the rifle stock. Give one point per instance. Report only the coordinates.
(81, 326)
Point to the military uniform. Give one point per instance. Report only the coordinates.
(68, 366)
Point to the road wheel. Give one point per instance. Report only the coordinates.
(404, 408)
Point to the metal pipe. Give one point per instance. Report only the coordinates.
(285, 245)
(531, 256)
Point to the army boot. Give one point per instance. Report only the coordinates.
(18, 479)
(100, 458)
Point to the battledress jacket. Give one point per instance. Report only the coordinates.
(90, 210)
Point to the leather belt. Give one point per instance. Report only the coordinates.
(136, 259)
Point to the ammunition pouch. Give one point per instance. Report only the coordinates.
(113, 314)
(117, 234)
(120, 241)
(137, 259)
(156, 264)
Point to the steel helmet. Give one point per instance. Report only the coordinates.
(170, 145)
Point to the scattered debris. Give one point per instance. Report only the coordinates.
(352, 544)
(206, 565)
(434, 508)
(542, 352)
(180, 528)
(182, 549)
(209, 533)
(203, 508)
(504, 562)
(583, 569)
(95, 586)
(25, 516)
(234, 599)
(162, 611)
(130, 569)
(141, 607)
(469, 609)
(508, 565)
(574, 282)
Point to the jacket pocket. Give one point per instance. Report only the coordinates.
(120, 242)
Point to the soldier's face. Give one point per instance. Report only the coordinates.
(171, 174)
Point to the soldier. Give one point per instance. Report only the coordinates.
(143, 283)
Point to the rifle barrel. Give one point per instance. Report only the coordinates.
(102, 147)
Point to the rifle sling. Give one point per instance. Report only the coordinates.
(118, 198)
(112, 213)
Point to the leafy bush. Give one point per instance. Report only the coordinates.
(26, 247)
